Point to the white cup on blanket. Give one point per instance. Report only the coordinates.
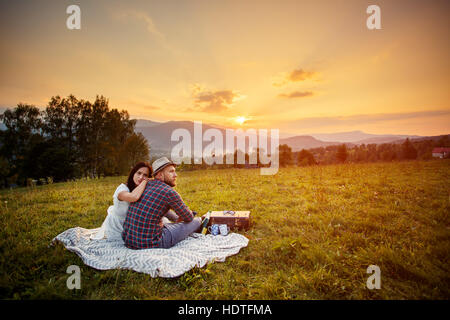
(223, 229)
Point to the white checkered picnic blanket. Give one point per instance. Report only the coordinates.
(196, 250)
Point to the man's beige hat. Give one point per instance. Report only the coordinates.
(160, 164)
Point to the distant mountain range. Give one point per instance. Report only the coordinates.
(298, 143)
(146, 123)
(359, 137)
(158, 135)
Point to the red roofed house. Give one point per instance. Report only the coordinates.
(440, 152)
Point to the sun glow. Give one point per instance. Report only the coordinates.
(240, 120)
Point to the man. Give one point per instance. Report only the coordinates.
(143, 227)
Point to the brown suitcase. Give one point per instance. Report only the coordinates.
(234, 219)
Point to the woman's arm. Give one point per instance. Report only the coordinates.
(134, 195)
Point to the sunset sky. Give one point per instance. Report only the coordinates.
(299, 66)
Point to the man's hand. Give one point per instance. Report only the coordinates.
(180, 219)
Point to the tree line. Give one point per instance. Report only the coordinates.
(408, 150)
(71, 138)
(344, 153)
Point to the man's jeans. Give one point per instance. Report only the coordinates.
(175, 232)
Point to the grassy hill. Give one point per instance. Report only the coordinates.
(315, 231)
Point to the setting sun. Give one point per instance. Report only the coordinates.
(240, 120)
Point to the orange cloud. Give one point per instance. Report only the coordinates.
(294, 76)
(296, 94)
(300, 75)
(215, 102)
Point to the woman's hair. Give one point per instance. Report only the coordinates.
(130, 182)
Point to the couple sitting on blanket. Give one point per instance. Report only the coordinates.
(141, 212)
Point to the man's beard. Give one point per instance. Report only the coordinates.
(170, 183)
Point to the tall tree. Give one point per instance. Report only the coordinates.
(60, 120)
(341, 154)
(408, 150)
(285, 155)
(23, 132)
(90, 135)
(118, 128)
(134, 149)
(305, 158)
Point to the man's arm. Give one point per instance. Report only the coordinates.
(177, 204)
(172, 216)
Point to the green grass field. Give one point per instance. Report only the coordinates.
(315, 231)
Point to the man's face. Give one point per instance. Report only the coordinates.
(169, 175)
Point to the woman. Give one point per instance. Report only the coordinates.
(112, 227)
